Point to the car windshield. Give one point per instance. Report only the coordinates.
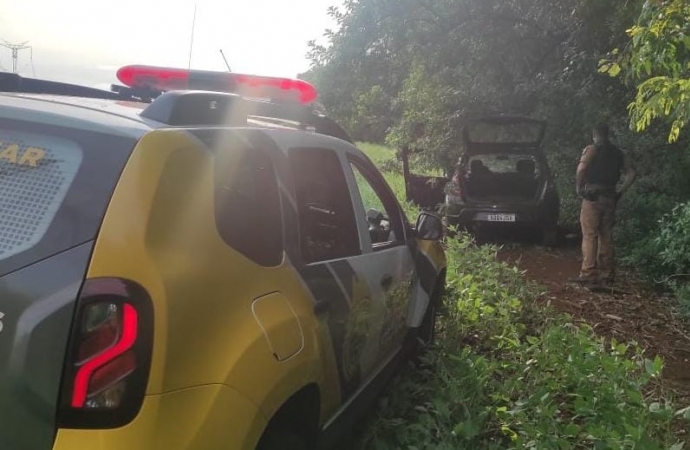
(504, 132)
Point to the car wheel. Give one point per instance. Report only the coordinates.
(427, 330)
(550, 235)
(278, 439)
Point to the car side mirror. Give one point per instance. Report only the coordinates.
(429, 227)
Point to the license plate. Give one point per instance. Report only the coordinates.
(501, 217)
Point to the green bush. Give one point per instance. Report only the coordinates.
(682, 291)
(665, 256)
(673, 240)
(507, 373)
(663, 253)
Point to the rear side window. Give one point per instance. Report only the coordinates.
(55, 184)
(36, 172)
(328, 228)
(248, 214)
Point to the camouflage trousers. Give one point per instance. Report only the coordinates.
(597, 219)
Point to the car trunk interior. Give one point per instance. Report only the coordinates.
(504, 178)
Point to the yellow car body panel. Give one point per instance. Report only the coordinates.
(435, 252)
(159, 231)
(205, 417)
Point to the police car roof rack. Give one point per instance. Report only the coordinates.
(12, 82)
(141, 94)
(211, 108)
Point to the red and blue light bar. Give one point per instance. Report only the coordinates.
(248, 86)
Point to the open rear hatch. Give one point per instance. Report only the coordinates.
(504, 160)
(55, 184)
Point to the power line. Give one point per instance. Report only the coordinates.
(15, 48)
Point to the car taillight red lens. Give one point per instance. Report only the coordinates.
(109, 355)
(123, 327)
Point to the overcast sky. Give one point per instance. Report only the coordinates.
(86, 41)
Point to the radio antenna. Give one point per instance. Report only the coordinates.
(191, 39)
(225, 59)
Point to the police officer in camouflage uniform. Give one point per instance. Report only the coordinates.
(598, 175)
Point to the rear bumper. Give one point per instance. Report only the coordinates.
(205, 417)
(466, 214)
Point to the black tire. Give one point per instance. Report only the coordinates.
(427, 330)
(425, 336)
(277, 439)
(549, 235)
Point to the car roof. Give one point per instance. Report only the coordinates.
(118, 117)
(109, 116)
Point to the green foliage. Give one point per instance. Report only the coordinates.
(371, 110)
(427, 106)
(674, 239)
(657, 59)
(666, 255)
(643, 231)
(508, 373)
(661, 184)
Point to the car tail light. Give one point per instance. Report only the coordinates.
(108, 357)
(250, 86)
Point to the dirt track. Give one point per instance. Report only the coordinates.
(630, 312)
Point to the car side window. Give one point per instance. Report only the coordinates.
(328, 229)
(380, 207)
(248, 215)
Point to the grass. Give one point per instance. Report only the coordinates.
(379, 154)
(384, 156)
(506, 373)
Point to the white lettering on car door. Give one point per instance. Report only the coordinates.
(2, 315)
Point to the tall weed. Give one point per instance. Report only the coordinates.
(508, 373)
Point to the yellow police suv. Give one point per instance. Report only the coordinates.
(197, 261)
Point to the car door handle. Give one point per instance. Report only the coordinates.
(386, 282)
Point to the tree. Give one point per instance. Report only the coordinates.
(657, 60)
(411, 72)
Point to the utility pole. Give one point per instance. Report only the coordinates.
(15, 52)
